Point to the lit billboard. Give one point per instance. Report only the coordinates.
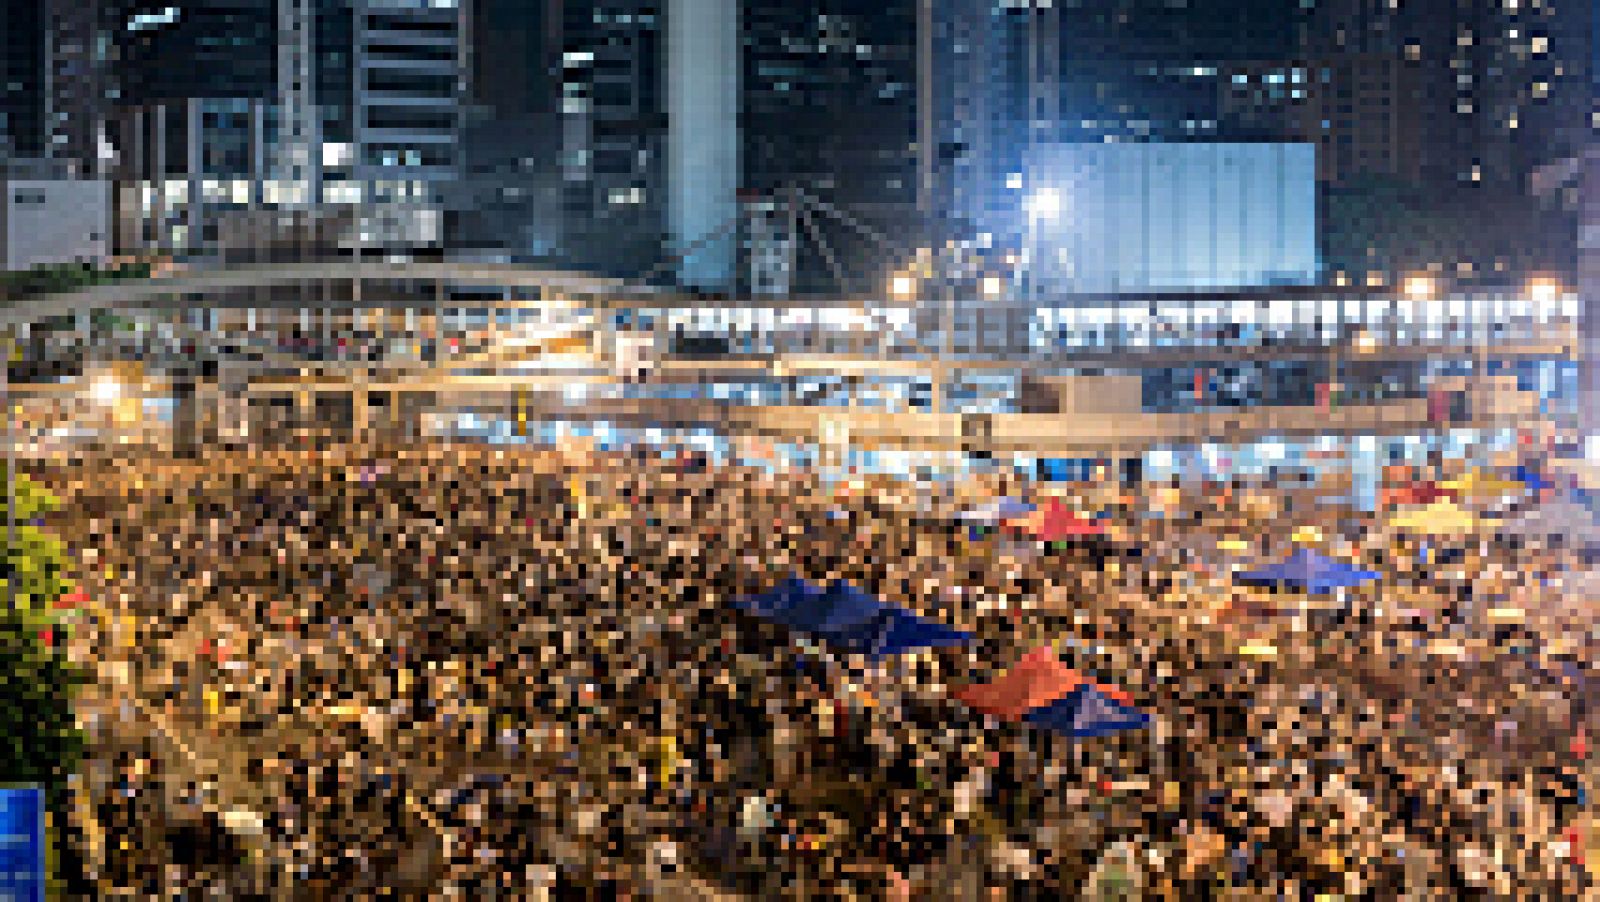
(1153, 217)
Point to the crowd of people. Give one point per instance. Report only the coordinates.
(491, 672)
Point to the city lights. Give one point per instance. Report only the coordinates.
(1544, 291)
(1420, 288)
(749, 449)
(106, 390)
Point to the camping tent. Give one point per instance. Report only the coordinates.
(1310, 572)
(1531, 478)
(1441, 519)
(1415, 493)
(776, 603)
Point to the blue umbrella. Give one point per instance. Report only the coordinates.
(1087, 712)
(1310, 572)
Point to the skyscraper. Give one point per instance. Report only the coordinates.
(613, 131)
(22, 70)
(831, 104)
(327, 106)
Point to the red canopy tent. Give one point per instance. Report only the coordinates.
(1055, 523)
(1415, 493)
(1038, 679)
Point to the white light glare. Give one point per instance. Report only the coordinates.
(106, 390)
(1044, 203)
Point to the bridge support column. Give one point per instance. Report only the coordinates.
(305, 411)
(186, 441)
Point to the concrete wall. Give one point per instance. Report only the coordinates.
(50, 222)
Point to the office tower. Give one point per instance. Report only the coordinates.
(410, 78)
(22, 69)
(508, 201)
(609, 55)
(345, 111)
(1429, 165)
(79, 82)
(830, 108)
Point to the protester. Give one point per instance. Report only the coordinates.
(484, 671)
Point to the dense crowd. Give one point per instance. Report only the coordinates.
(498, 673)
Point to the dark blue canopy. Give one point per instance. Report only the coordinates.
(895, 631)
(843, 606)
(793, 594)
(1311, 572)
(1086, 712)
(846, 616)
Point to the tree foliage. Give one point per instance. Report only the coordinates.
(42, 280)
(39, 739)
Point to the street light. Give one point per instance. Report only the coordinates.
(106, 390)
(903, 286)
(1419, 288)
(992, 287)
(1544, 290)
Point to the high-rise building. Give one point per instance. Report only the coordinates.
(1430, 166)
(832, 103)
(409, 94)
(22, 70)
(330, 107)
(79, 82)
(609, 55)
(508, 201)
(1428, 117)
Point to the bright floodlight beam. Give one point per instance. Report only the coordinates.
(1043, 203)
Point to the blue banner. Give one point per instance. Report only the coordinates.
(22, 876)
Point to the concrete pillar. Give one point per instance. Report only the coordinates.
(193, 166)
(185, 417)
(158, 177)
(360, 413)
(703, 62)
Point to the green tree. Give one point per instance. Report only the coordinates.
(40, 743)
